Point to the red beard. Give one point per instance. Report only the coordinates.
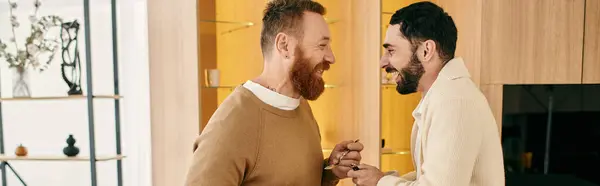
(304, 79)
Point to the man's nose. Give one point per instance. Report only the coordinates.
(329, 57)
(384, 61)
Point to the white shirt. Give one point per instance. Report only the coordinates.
(271, 97)
(417, 116)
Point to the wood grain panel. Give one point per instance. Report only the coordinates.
(494, 95)
(532, 41)
(173, 50)
(467, 15)
(365, 75)
(591, 57)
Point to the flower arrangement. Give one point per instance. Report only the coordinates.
(37, 52)
(36, 45)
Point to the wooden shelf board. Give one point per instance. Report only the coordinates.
(61, 97)
(388, 151)
(386, 86)
(58, 158)
(245, 23)
(331, 21)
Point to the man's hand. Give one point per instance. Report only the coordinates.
(366, 176)
(349, 153)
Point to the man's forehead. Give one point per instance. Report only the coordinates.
(315, 26)
(393, 36)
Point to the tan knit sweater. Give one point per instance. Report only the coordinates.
(250, 143)
(459, 137)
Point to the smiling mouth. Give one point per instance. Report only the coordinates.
(393, 72)
(321, 69)
(390, 69)
(320, 72)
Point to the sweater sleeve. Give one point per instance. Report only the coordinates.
(225, 154)
(328, 178)
(453, 140)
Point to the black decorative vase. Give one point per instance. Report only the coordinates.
(71, 150)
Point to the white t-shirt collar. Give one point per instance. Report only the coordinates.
(271, 97)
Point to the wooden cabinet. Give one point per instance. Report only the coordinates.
(532, 41)
(591, 47)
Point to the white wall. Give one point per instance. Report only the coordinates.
(43, 126)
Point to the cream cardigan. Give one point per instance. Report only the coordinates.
(460, 142)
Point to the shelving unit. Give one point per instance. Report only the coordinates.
(93, 158)
(59, 158)
(61, 98)
(396, 109)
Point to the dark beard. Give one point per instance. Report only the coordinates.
(411, 75)
(304, 80)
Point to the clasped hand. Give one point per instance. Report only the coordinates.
(345, 155)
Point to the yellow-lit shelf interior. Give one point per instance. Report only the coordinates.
(396, 109)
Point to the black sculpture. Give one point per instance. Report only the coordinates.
(70, 150)
(70, 55)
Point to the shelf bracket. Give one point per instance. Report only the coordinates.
(245, 24)
(331, 21)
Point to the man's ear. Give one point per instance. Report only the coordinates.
(428, 48)
(282, 43)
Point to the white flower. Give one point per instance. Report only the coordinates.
(34, 61)
(32, 18)
(32, 49)
(12, 39)
(21, 55)
(13, 21)
(39, 36)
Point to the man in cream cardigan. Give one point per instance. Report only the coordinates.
(455, 139)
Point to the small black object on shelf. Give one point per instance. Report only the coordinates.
(71, 150)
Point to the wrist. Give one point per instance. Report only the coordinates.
(329, 178)
(328, 175)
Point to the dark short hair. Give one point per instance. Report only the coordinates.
(285, 16)
(426, 21)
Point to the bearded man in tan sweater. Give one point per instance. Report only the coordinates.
(455, 139)
(264, 133)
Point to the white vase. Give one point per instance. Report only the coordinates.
(21, 82)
